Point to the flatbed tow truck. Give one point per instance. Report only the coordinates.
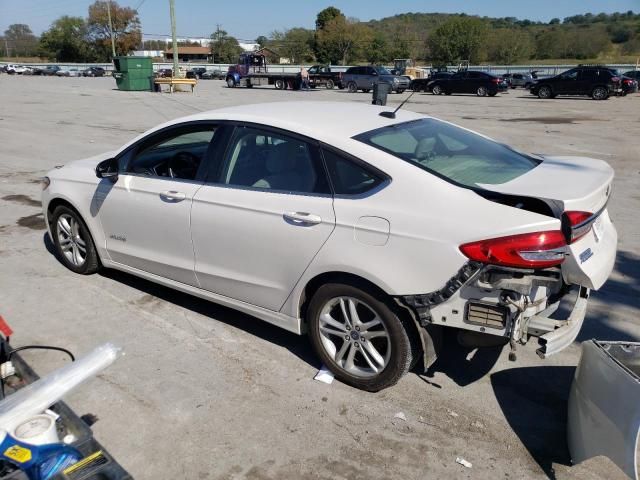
(251, 70)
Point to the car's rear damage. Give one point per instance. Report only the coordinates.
(534, 285)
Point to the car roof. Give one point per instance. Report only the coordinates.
(324, 121)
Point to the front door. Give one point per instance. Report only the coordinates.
(262, 219)
(145, 215)
(568, 83)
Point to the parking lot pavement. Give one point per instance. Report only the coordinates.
(206, 392)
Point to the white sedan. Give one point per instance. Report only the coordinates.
(369, 232)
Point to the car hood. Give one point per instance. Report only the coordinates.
(566, 183)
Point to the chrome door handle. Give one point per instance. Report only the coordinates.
(302, 218)
(173, 196)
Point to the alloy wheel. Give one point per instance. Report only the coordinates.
(72, 245)
(354, 336)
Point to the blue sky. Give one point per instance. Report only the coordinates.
(247, 19)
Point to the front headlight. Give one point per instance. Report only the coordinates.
(45, 182)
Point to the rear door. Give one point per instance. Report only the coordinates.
(262, 216)
(456, 83)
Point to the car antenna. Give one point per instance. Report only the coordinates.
(388, 114)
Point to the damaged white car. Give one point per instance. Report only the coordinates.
(359, 226)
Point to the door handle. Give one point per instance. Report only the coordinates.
(302, 218)
(173, 196)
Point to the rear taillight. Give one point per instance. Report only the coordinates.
(578, 224)
(495, 80)
(527, 250)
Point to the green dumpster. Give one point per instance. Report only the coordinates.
(133, 73)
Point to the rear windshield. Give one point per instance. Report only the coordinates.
(450, 152)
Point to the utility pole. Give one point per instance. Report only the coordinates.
(172, 13)
(113, 42)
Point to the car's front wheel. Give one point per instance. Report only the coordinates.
(352, 87)
(73, 241)
(358, 337)
(481, 91)
(231, 82)
(436, 90)
(330, 84)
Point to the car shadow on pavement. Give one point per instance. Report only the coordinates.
(463, 365)
(534, 402)
(296, 344)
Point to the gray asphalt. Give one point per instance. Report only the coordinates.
(206, 392)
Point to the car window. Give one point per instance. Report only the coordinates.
(267, 160)
(570, 74)
(175, 154)
(451, 152)
(347, 176)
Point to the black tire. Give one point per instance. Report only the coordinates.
(600, 93)
(279, 84)
(330, 84)
(545, 92)
(401, 90)
(91, 262)
(231, 83)
(352, 87)
(249, 85)
(482, 91)
(437, 90)
(397, 341)
(493, 94)
(366, 90)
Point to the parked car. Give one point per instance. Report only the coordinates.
(164, 73)
(13, 69)
(213, 75)
(469, 81)
(71, 72)
(324, 75)
(363, 78)
(325, 230)
(93, 72)
(50, 70)
(514, 80)
(425, 84)
(635, 74)
(629, 85)
(196, 72)
(597, 82)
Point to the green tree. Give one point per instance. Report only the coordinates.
(459, 38)
(20, 41)
(342, 39)
(224, 48)
(326, 15)
(377, 51)
(262, 41)
(507, 46)
(295, 44)
(66, 40)
(126, 28)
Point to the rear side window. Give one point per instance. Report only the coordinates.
(349, 177)
(450, 152)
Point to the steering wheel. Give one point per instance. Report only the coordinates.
(183, 165)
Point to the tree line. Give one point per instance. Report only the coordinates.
(338, 39)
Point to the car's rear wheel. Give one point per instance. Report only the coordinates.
(279, 83)
(481, 91)
(493, 94)
(436, 90)
(358, 337)
(231, 82)
(352, 87)
(599, 93)
(330, 84)
(73, 242)
(545, 92)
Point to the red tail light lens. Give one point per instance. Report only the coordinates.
(495, 80)
(528, 250)
(579, 222)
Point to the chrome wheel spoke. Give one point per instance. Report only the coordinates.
(340, 354)
(372, 323)
(332, 331)
(375, 355)
(63, 223)
(355, 319)
(368, 360)
(348, 364)
(374, 334)
(329, 320)
(343, 308)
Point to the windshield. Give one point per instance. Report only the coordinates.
(450, 152)
(382, 71)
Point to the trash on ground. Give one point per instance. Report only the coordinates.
(324, 376)
(452, 413)
(463, 462)
(401, 416)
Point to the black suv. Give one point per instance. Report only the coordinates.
(597, 82)
(469, 81)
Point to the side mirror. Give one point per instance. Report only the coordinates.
(108, 169)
